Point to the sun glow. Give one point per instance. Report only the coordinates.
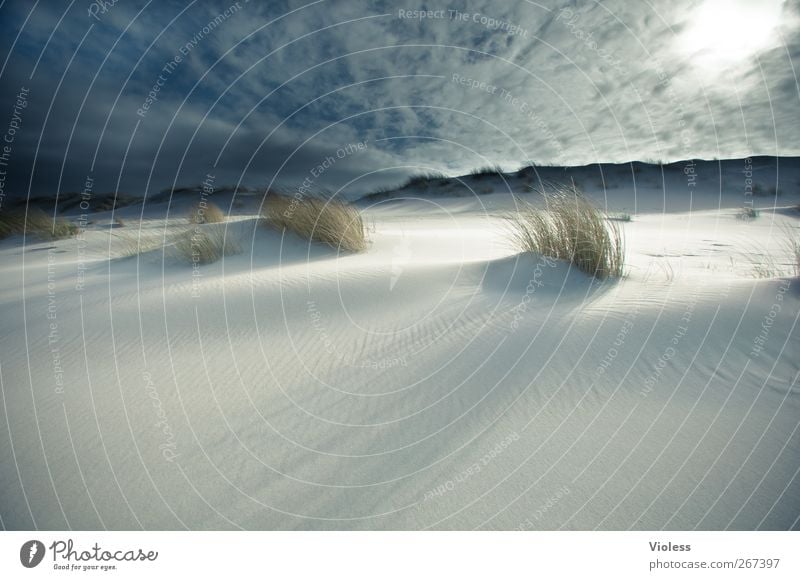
(723, 32)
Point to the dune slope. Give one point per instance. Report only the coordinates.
(438, 380)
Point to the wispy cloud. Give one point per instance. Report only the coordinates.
(267, 91)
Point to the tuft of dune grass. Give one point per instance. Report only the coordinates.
(204, 245)
(333, 222)
(133, 243)
(487, 171)
(570, 228)
(424, 179)
(206, 213)
(747, 213)
(767, 264)
(34, 222)
(620, 217)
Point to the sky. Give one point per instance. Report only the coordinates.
(137, 97)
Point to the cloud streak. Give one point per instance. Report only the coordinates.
(261, 94)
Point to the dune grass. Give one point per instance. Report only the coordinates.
(619, 217)
(35, 222)
(133, 242)
(333, 222)
(486, 171)
(206, 213)
(769, 264)
(424, 179)
(201, 244)
(570, 228)
(204, 245)
(747, 213)
(763, 266)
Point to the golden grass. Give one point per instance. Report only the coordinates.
(206, 213)
(487, 171)
(747, 213)
(133, 243)
(424, 179)
(570, 228)
(34, 222)
(336, 223)
(204, 245)
(766, 264)
(201, 244)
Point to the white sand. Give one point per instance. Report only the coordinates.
(426, 383)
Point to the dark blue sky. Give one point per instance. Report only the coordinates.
(151, 94)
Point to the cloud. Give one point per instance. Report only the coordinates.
(262, 92)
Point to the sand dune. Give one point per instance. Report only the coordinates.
(438, 380)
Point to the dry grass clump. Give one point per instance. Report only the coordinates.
(196, 245)
(769, 264)
(206, 213)
(763, 266)
(570, 228)
(133, 243)
(747, 213)
(333, 222)
(424, 179)
(35, 222)
(620, 217)
(11, 222)
(204, 245)
(487, 171)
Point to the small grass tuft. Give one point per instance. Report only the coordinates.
(748, 213)
(206, 213)
(572, 229)
(133, 242)
(767, 264)
(486, 171)
(333, 222)
(763, 269)
(35, 222)
(424, 179)
(204, 245)
(620, 217)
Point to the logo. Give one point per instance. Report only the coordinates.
(31, 553)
